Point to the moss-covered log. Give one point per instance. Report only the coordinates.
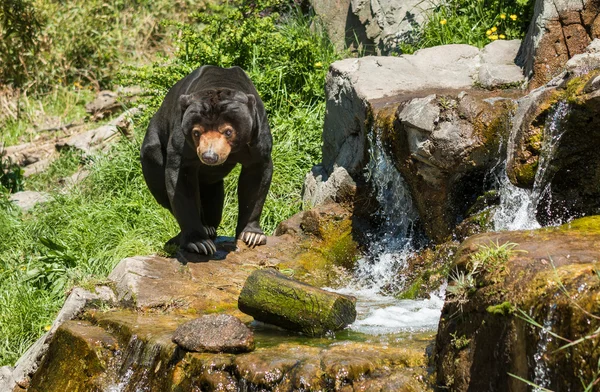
(273, 298)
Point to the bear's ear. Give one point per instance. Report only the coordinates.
(185, 101)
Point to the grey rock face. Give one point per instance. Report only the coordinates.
(498, 66)
(215, 333)
(7, 381)
(26, 200)
(321, 189)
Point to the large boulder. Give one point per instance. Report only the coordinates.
(371, 26)
(440, 127)
(510, 297)
(560, 29)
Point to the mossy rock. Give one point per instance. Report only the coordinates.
(550, 275)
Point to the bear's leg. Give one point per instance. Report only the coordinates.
(153, 167)
(253, 186)
(212, 197)
(184, 193)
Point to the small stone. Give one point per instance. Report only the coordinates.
(26, 200)
(215, 333)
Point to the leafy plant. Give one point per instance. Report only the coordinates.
(53, 271)
(11, 175)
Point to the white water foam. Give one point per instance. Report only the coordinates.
(391, 246)
(518, 206)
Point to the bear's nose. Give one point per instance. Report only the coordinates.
(209, 157)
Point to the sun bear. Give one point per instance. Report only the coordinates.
(209, 121)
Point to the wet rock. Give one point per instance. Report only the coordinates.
(558, 125)
(273, 298)
(548, 274)
(443, 144)
(217, 333)
(26, 200)
(75, 339)
(560, 29)
(77, 300)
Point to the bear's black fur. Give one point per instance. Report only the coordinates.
(210, 120)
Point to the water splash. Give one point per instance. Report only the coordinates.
(518, 206)
(390, 247)
(541, 371)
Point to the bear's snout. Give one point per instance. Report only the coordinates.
(213, 148)
(209, 158)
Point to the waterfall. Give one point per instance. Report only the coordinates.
(518, 206)
(390, 246)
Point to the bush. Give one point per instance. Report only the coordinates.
(19, 29)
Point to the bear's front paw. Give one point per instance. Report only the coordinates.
(205, 246)
(253, 239)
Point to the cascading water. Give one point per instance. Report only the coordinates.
(390, 247)
(518, 206)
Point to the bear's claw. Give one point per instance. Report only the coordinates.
(203, 246)
(253, 239)
(211, 231)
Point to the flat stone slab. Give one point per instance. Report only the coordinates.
(215, 333)
(197, 283)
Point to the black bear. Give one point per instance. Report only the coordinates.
(210, 120)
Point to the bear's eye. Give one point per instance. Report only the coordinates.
(228, 132)
(196, 134)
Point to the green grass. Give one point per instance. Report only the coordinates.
(32, 112)
(78, 237)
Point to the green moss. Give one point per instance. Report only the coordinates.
(586, 225)
(413, 291)
(525, 173)
(503, 309)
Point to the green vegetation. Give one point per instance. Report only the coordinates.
(80, 235)
(473, 22)
(490, 260)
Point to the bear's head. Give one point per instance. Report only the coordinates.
(218, 122)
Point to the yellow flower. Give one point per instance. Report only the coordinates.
(502, 16)
(493, 37)
(443, 21)
(489, 32)
(318, 64)
(494, 29)
(502, 36)
(47, 327)
(513, 17)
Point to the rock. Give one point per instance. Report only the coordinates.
(550, 275)
(26, 200)
(443, 145)
(99, 138)
(341, 25)
(355, 86)
(75, 303)
(319, 188)
(215, 333)
(498, 68)
(273, 298)
(564, 116)
(7, 381)
(105, 101)
(587, 61)
(387, 23)
(560, 29)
